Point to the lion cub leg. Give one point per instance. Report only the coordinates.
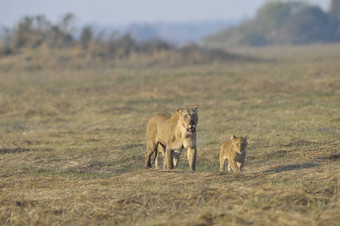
(240, 165)
(222, 163)
(229, 167)
(232, 165)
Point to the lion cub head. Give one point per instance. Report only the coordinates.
(239, 144)
(188, 119)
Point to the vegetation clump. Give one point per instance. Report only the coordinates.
(279, 23)
(49, 44)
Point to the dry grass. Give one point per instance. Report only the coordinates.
(72, 144)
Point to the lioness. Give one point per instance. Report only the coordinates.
(173, 133)
(235, 151)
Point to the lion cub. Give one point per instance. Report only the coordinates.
(235, 151)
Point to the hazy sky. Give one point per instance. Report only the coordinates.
(127, 11)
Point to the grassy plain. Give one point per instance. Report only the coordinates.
(72, 142)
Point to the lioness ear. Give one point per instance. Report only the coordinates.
(179, 110)
(233, 137)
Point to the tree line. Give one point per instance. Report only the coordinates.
(282, 22)
(50, 45)
(33, 32)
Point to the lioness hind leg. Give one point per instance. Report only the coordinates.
(150, 149)
(156, 160)
(168, 160)
(160, 151)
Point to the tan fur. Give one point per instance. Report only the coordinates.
(173, 133)
(233, 150)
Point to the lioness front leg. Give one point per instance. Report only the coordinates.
(192, 152)
(175, 162)
(169, 156)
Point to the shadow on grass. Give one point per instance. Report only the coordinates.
(13, 150)
(291, 167)
(330, 157)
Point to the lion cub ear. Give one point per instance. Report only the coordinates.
(195, 108)
(233, 137)
(246, 137)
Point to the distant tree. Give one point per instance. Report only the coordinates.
(60, 34)
(5, 41)
(274, 15)
(282, 22)
(55, 37)
(311, 24)
(334, 9)
(66, 23)
(30, 32)
(252, 34)
(271, 18)
(121, 46)
(86, 36)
